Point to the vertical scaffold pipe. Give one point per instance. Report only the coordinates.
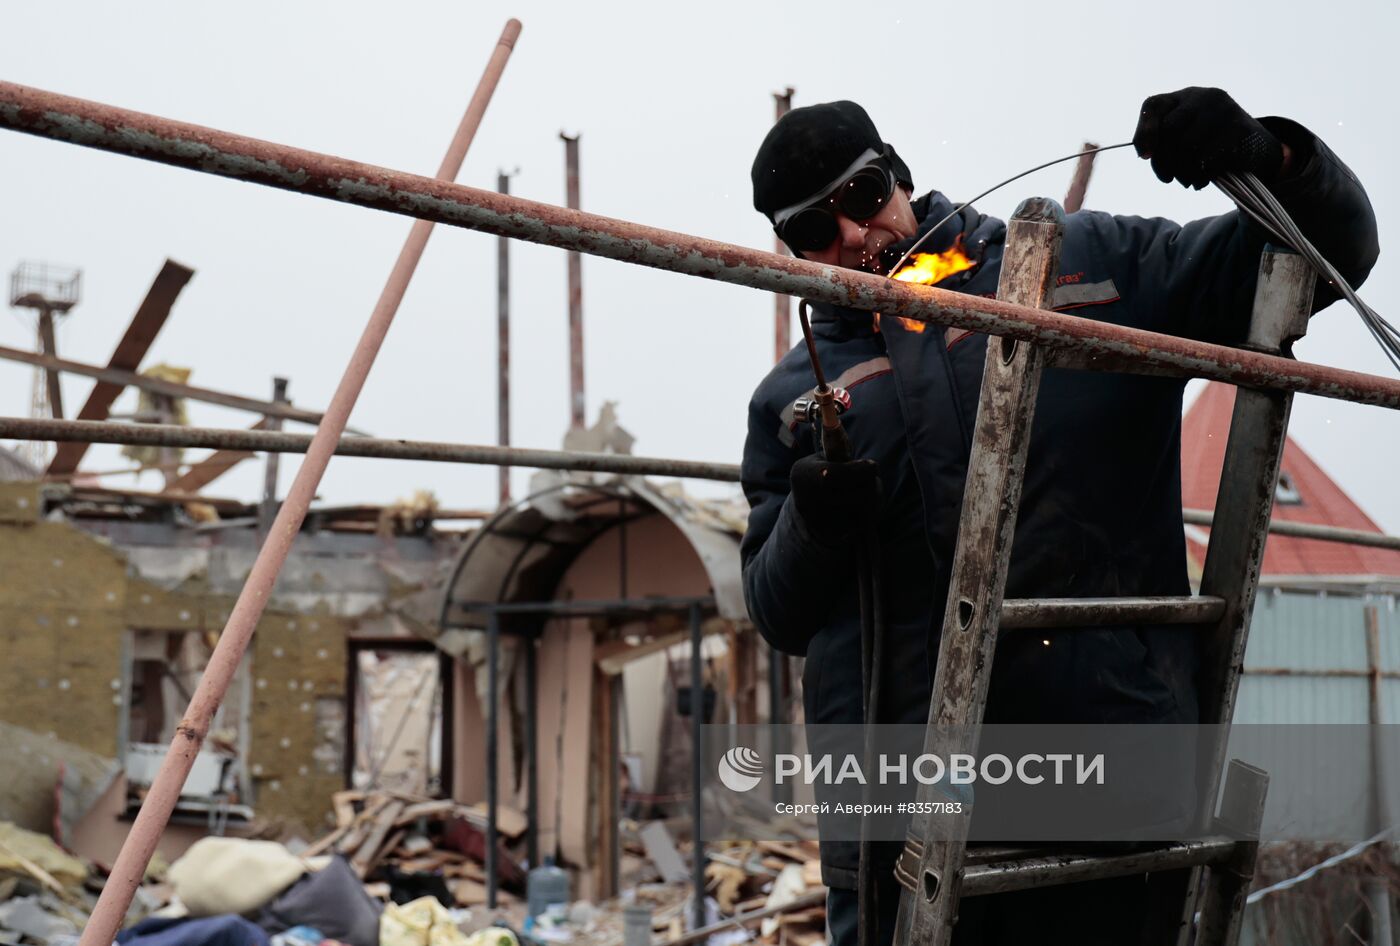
(151, 820)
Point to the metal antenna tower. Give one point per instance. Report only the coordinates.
(51, 292)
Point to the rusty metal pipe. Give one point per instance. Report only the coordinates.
(782, 305)
(266, 441)
(1321, 672)
(155, 811)
(1079, 184)
(121, 131)
(503, 348)
(1307, 530)
(220, 438)
(577, 419)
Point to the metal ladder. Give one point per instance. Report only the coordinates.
(935, 868)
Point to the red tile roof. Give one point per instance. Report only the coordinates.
(1204, 430)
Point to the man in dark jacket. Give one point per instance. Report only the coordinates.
(1100, 512)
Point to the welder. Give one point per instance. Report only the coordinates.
(1100, 514)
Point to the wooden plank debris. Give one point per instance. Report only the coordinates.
(343, 804)
(366, 855)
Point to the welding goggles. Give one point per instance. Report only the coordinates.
(860, 192)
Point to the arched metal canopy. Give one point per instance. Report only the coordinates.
(522, 552)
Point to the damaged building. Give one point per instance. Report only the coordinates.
(368, 669)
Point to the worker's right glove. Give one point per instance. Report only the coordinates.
(835, 500)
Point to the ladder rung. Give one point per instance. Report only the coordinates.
(984, 854)
(1072, 867)
(1093, 612)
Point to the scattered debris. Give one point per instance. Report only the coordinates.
(407, 845)
(33, 855)
(405, 870)
(35, 918)
(426, 922)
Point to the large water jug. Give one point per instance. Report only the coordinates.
(545, 885)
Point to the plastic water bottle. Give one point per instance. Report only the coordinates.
(636, 925)
(545, 885)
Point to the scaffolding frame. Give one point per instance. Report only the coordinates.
(1067, 340)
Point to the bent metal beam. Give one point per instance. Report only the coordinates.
(121, 131)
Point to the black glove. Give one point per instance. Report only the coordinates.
(1195, 135)
(835, 499)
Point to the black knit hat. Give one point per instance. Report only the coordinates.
(808, 147)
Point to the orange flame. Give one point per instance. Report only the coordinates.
(928, 269)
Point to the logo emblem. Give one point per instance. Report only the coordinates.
(740, 769)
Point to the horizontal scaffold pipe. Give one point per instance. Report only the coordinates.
(105, 127)
(1307, 530)
(216, 438)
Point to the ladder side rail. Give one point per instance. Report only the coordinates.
(1006, 408)
(1235, 553)
(1245, 501)
(1227, 883)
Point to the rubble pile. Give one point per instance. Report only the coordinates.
(403, 870)
(46, 894)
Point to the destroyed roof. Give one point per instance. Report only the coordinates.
(97, 501)
(1305, 494)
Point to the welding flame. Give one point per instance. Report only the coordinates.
(927, 269)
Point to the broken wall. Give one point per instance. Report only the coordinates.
(63, 601)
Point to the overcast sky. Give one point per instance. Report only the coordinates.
(671, 101)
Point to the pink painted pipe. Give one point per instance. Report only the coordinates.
(145, 833)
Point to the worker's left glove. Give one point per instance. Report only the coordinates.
(835, 500)
(1196, 135)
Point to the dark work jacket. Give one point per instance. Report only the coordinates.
(1100, 512)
